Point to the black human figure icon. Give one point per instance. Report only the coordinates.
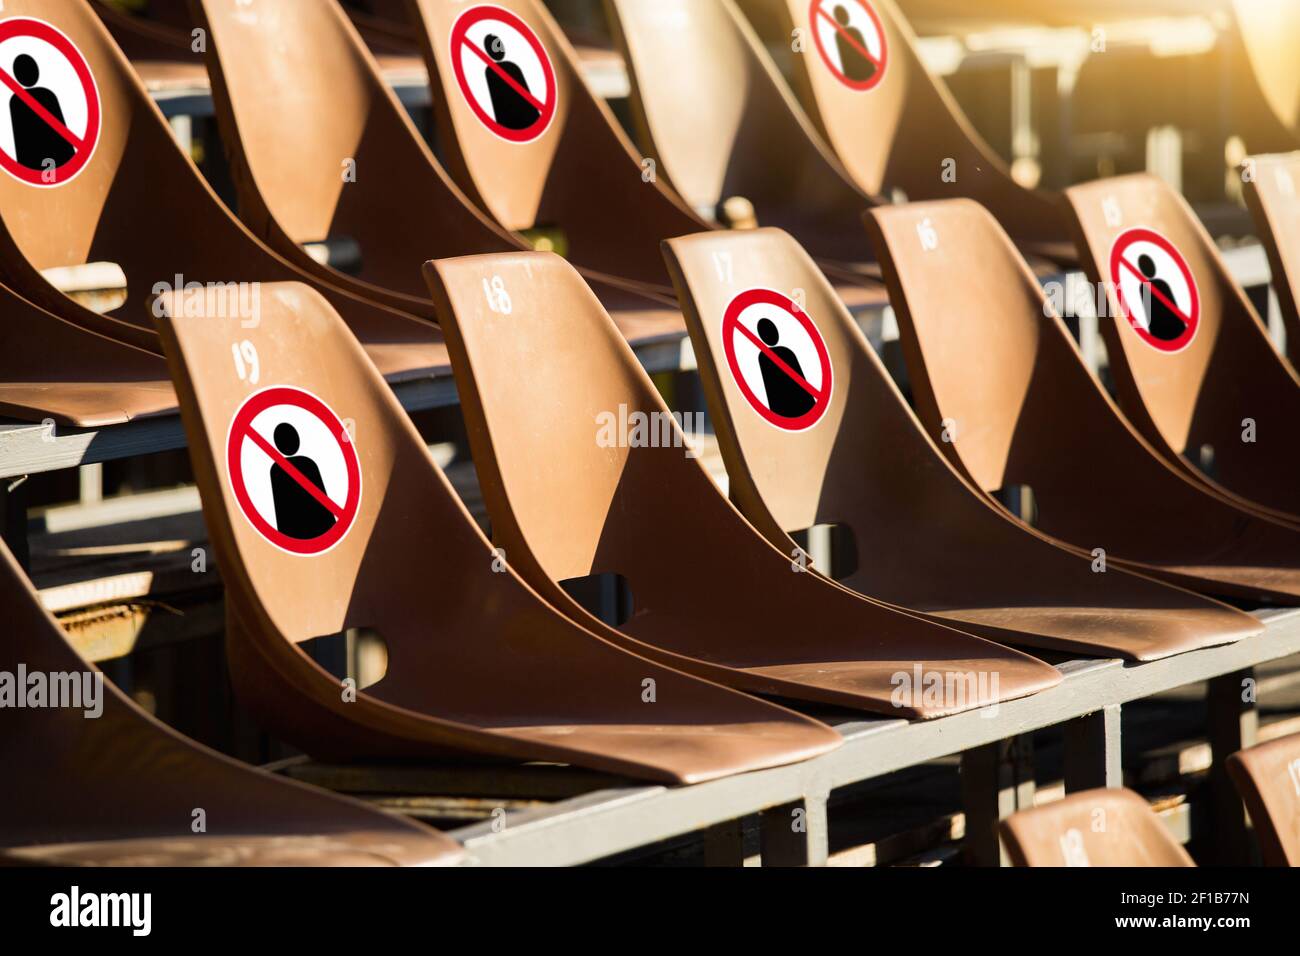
(511, 109)
(1162, 322)
(35, 141)
(297, 514)
(856, 66)
(785, 396)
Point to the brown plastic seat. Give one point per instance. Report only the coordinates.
(122, 788)
(924, 539)
(712, 110)
(402, 208)
(1194, 392)
(1273, 195)
(1265, 104)
(897, 128)
(1000, 386)
(708, 594)
(140, 202)
(479, 666)
(1268, 778)
(53, 369)
(579, 175)
(1091, 828)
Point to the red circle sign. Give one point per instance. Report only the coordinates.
(764, 358)
(854, 30)
(1156, 289)
(493, 69)
(50, 126)
(294, 470)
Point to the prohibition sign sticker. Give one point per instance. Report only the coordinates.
(293, 469)
(49, 104)
(851, 41)
(1156, 289)
(504, 73)
(778, 359)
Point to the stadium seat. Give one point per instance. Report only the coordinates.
(1091, 828)
(924, 539)
(347, 523)
(897, 128)
(52, 369)
(121, 788)
(1273, 194)
(139, 202)
(1264, 106)
(999, 385)
(1196, 375)
(720, 122)
(1268, 778)
(288, 169)
(571, 179)
(542, 385)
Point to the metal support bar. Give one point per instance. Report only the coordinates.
(796, 834)
(13, 518)
(996, 781)
(724, 844)
(1233, 724)
(1092, 751)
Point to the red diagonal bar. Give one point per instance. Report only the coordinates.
(49, 118)
(1156, 292)
(848, 36)
(762, 346)
(540, 107)
(309, 486)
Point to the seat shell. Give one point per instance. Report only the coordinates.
(479, 667)
(711, 596)
(1092, 828)
(907, 132)
(1268, 778)
(1271, 195)
(1029, 413)
(1227, 378)
(123, 789)
(111, 213)
(925, 539)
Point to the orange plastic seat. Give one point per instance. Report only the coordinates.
(1273, 195)
(1268, 778)
(543, 386)
(999, 385)
(1193, 365)
(343, 521)
(924, 539)
(570, 177)
(1091, 828)
(133, 198)
(402, 206)
(121, 788)
(716, 116)
(892, 124)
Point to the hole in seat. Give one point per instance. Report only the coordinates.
(1205, 461)
(98, 286)
(547, 239)
(339, 252)
(359, 652)
(607, 596)
(833, 549)
(1020, 501)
